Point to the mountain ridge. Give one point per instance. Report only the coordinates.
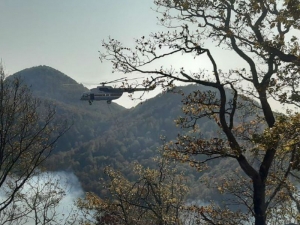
(106, 135)
(44, 79)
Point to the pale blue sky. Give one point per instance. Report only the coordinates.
(67, 34)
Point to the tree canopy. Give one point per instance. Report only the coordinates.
(264, 35)
(155, 197)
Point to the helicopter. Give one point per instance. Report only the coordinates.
(108, 93)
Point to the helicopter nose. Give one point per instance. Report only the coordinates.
(85, 96)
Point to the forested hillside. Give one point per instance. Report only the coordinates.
(51, 85)
(104, 134)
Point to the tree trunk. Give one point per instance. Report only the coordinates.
(259, 201)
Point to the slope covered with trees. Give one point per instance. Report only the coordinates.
(103, 136)
(99, 138)
(220, 124)
(62, 91)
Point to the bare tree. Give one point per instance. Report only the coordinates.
(29, 131)
(264, 37)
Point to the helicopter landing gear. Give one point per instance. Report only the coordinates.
(108, 101)
(90, 102)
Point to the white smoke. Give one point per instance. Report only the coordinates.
(47, 198)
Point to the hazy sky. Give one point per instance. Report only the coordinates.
(67, 35)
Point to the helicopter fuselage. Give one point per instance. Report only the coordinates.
(106, 93)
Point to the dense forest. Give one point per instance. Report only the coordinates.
(110, 135)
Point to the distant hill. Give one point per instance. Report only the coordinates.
(105, 134)
(64, 92)
(49, 83)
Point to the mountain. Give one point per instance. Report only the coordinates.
(104, 134)
(57, 88)
(48, 83)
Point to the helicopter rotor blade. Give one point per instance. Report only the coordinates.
(134, 78)
(113, 81)
(119, 80)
